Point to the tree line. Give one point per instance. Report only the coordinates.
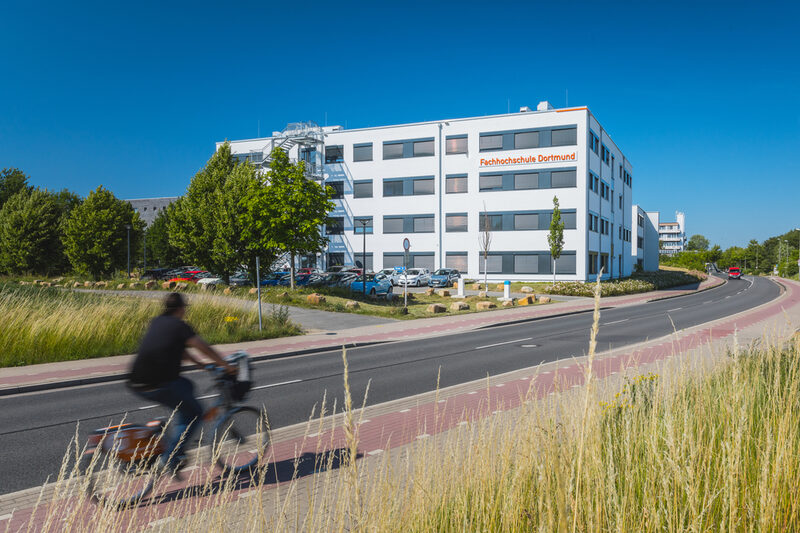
(756, 257)
(229, 214)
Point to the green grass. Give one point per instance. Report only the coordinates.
(637, 283)
(42, 325)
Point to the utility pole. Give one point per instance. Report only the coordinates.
(363, 222)
(128, 227)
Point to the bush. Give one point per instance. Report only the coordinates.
(637, 283)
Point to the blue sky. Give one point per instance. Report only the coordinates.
(701, 97)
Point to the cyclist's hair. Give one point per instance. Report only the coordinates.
(173, 302)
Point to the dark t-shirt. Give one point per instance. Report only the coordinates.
(161, 351)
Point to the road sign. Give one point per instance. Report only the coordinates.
(406, 244)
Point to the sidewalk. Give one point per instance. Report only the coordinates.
(395, 426)
(46, 376)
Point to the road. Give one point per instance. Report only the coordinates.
(35, 428)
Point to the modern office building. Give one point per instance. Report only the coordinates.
(644, 244)
(436, 184)
(149, 208)
(673, 235)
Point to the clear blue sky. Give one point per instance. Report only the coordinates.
(701, 97)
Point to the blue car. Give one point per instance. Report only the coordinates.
(375, 285)
(300, 280)
(273, 279)
(444, 277)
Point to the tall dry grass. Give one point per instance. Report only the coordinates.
(42, 325)
(696, 448)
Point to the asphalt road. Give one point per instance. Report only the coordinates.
(36, 428)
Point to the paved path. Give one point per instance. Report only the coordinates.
(387, 426)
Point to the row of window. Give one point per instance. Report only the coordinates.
(520, 140)
(624, 234)
(599, 225)
(455, 222)
(599, 186)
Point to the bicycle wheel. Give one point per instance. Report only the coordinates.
(241, 437)
(120, 484)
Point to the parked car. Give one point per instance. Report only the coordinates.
(272, 279)
(240, 279)
(207, 278)
(308, 270)
(300, 280)
(154, 273)
(386, 272)
(734, 273)
(444, 277)
(190, 276)
(335, 279)
(375, 286)
(414, 276)
(335, 268)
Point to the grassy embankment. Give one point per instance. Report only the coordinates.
(697, 448)
(42, 325)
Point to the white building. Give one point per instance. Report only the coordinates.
(149, 208)
(431, 182)
(673, 235)
(644, 244)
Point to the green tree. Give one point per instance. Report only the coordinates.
(30, 236)
(206, 224)
(556, 236)
(287, 212)
(95, 234)
(159, 249)
(697, 242)
(12, 181)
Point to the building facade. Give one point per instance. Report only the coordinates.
(673, 235)
(438, 184)
(645, 241)
(149, 208)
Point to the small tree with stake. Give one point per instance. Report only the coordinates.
(485, 240)
(556, 236)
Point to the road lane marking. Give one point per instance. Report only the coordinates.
(708, 301)
(529, 346)
(676, 309)
(502, 343)
(375, 452)
(277, 384)
(147, 407)
(616, 322)
(423, 436)
(405, 410)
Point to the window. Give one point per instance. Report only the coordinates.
(423, 186)
(604, 263)
(564, 137)
(336, 258)
(526, 264)
(562, 178)
(569, 219)
(592, 263)
(423, 148)
(566, 264)
(640, 221)
(493, 222)
(392, 260)
(526, 221)
(605, 154)
(494, 264)
(593, 222)
(334, 226)
(456, 222)
(393, 187)
(334, 154)
(362, 189)
(594, 142)
(456, 145)
(423, 224)
(362, 152)
(620, 201)
(639, 242)
(393, 224)
(365, 261)
(456, 184)
(338, 189)
(612, 165)
(527, 139)
(490, 142)
(359, 227)
(529, 180)
(457, 260)
(393, 151)
(491, 182)
(423, 260)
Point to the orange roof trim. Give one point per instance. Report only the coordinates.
(584, 108)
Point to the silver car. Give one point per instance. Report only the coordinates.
(414, 277)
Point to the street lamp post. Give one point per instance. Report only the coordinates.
(128, 227)
(144, 236)
(364, 222)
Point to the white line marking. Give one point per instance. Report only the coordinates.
(375, 452)
(277, 384)
(207, 396)
(463, 423)
(5, 516)
(313, 435)
(676, 309)
(502, 343)
(529, 346)
(727, 297)
(423, 436)
(616, 321)
(363, 422)
(405, 410)
(500, 385)
(473, 392)
(708, 301)
(142, 408)
(249, 493)
(161, 521)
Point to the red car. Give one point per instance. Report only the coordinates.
(734, 273)
(190, 276)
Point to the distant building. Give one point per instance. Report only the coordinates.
(149, 208)
(644, 244)
(673, 235)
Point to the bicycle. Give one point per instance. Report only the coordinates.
(124, 464)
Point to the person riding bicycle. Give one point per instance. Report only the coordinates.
(155, 373)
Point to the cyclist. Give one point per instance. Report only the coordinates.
(155, 373)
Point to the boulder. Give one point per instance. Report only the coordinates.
(37, 281)
(150, 285)
(182, 286)
(508, 303)
(58, 280)
(46, 284)
(482, 294)
(120, 285)
(544, 299)
(283, 294)
(480, 306)
(459, 306)
(315, 298)
(443, 293)
(134, 285)
(101, 284)
(77, 284)
(429, 291)
(227, 291)
(527, 300)
(168, 285)
(500, 287)
(208, 287)
(476, 286)
(527, 290)
(351, 304)
(253, 290)
(436, 308)
(23, 282)
(87, 283)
